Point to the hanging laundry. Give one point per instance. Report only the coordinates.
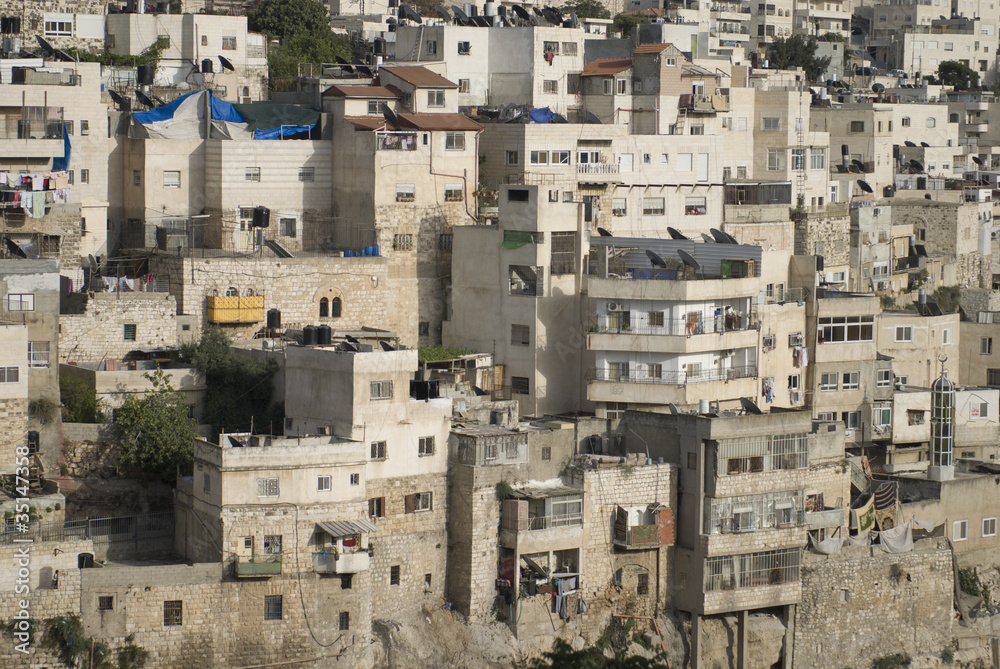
(38, 205)
(3, 178)
(803, 357)
(767, 389)
(37, 182)
(62, 180)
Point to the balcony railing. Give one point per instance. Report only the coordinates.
(597, 168)
(233, 309)
(258, 565)
(397, 141)
(674, 378)
(640, 536)
(549, 522)
(328, 562)
(674, 327)
(909, 262)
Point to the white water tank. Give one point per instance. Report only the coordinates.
(703, 406)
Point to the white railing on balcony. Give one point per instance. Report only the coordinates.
(674, 326)
(597, 168)
(549, 522)
(751, 570)
(672, 377)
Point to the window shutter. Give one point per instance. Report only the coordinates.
(621, 524)
(410, 503)
(430, 501)
(371, 508)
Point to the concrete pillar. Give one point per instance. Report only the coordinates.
(789, 636)
(741, 639)
(695, 641)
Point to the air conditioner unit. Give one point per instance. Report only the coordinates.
(994, 234)
(614, 306)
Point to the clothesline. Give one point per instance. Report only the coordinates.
(39, 181)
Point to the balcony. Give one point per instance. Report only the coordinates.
(977, 106)
(704, 104)
(40, 135)
(671, 387)
(328, 562)
(558, 524)
(670, 285)
(396, 141)
(597, 173)
(638, 537)
(674, 336)
(232, 309)
(674, 378)
(258, 566)
(907, 263)
(979, 126)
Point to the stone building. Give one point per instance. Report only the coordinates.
(102, 326)
(64, 24)
(13, 391)
(749, 489)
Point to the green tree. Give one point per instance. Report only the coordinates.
(79, 400)
(798, 51)
(157, 434)
(587, 9)
(954, 73)
(625, 22)
(280, 19)
(238, 392)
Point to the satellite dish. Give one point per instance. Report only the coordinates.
(675, 233)
(688, 260)
(656, 260)
(64, 57)
(350, 348)
(977, 160)
(407, 12)
(552, 17)
(878, 88)
(537, 11)
(389, 116)
(573, 21)
(386, 346)
(863, 185)
(226, 65)
(672, 409)
(588, 116)
(732, 240)
(707, 238)
(360, 67)
(482, 21)
(915, 164)
(351, 339)
(857, 163)
(444, 13)
(910, 144)
(460, 15)
(142, 99)
(124, 104)
(925, 145)
(749, 407)
(522, 13)
(604, 233)
(719, 236)
(47, 48)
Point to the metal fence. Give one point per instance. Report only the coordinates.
(123, 532)
(643, 374)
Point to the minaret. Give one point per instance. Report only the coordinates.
(942, 429)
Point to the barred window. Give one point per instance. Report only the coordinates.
(762, 453)
(272, 544)
(563, 253)
(252, 174)
(267, 487)
(751, 570)
(173, 613)
(425, 446)
(307, 174)
(38, 354)
(379, 450)
(272, 607)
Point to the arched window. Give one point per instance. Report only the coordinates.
(246, 91)
(931, 122)
(337, 305)
(249, 292)
(232, 292)
(324, 307)
(953, 118)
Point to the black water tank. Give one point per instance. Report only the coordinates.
(144, 75)
(261, 217)
(206, 65)
(273, 319)
(17, 75)
(309, 335)
(324, 334)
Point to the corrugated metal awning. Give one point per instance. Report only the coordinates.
(346, 528)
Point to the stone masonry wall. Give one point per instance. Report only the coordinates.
(14, 418)
(33, 20)
(98, 333)
(861, 604)
(90, 448)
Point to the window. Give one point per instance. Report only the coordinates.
(653, 206)
(171, 179)
(654, 371)
(904, 333)
(546, 452)
(464, 48)
(538, 157)
(989, 527)
(454, 141)
(405, 193)
(775, 159)
(20, 301)
(267, 487)
(272, 544)
(931, 122)
(425, 446)
(9, 374)
(229, 43)
(107, 602)
(828, 381)
(402, 242)
(986, 345)
(129, 332)
(846, 328)
(695, 206)
(852, 419)
(550, 47)
(563, 260)
(173, 613)
(432, 47)
(272, 607)
(59, 28)
(960, 530)
(519, 385)
(376, 507)
(355, 479)
(550, 86)
(525, 280)
(979, 410)
(569, 48)
(378, 450)
(38, 354)
(857, 126)
(520, 335)
(373, 108)
(793, 381)
(655, 319)
(511, 158)
(286, 227)
(697, 130)
(883, 378)
(324, 483)
(84, 176)
(817, 159)
(619, 206)
(851, 381)
(394, 575)
(136, 178)
(993, 378)
(798, 159)
(307, 174)
(882, 414)
(380, 390)
(421, 501)
(770, 123)
(946, 336)
(345, 621)
(206, 482)
(435, 98)
(621, 86)
(252, 174)
(914, 417)
(642, 584)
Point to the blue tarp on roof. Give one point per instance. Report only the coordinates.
(163, 113)
(224, 111)
(541, 115)
(282, 131)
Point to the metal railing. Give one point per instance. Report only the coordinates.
(639, 536)
(396, 141)
(673, 378)
(674, 326)
(736, 572)
(549, 522)
(597, 168)
(109, 530)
